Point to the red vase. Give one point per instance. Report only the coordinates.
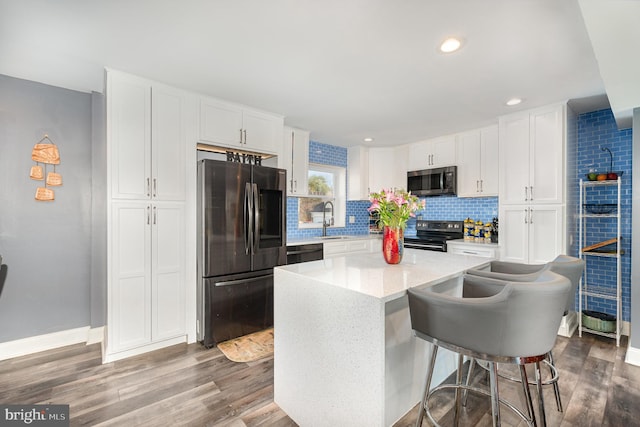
(392, 244)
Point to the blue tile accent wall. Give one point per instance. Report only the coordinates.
(452, 208)
(595, 130)
(326, 154)
(334, 156)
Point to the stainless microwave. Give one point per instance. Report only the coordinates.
(433, 182)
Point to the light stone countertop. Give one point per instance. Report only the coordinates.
(369, 274)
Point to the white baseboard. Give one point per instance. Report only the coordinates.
(633, 356)
(30, 345)
(108, 356)
(95, 335)
(568, 325)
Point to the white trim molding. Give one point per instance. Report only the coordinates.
(30, 345)
(633, 356)
(568, 325)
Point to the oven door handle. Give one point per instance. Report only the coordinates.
(423, 246)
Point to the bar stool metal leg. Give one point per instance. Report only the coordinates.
(495, 397)
(556, 387)
(465, 393)
(456, 411)
(543, 416)
(427, 386)
(527, 394)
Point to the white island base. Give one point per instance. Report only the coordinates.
(345, 354)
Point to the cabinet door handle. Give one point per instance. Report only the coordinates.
(148, 214)
(244, 132)
(526, 212)
(148, 188)
(155, 187)
(477, 186)
(240, 136)
(526, 193)
(295, 184)
(530, 216)
(155, 216)
(531, 193)
(482, 186)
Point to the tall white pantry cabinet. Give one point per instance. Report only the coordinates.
(146, 186)
(532, 184)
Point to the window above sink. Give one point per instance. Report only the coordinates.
(325, 184)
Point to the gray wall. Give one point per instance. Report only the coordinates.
(634, 335)
(45, 245)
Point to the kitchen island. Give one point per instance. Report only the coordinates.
(345, 353)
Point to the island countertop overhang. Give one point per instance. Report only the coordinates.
(370, 275)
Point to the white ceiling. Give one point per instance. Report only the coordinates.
(614, 30)
(344, 69)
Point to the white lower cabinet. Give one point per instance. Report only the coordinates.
(487, 250)
(532, 234)
(343, 247)
(146, 282)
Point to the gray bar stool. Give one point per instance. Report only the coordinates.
(494, 321)
(567, 266)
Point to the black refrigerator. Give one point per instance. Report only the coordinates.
(241, 237)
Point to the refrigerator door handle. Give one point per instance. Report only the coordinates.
(256, 215)
(248, 218)
(241, 281)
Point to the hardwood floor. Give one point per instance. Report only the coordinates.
(190, 385)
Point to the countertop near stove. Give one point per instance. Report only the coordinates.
(345, 353)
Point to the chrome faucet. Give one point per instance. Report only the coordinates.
(326, 224)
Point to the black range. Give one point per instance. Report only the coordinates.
(433, 235)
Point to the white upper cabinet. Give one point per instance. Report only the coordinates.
(532, 156)
(296, 160)
(371, 169)
(146, 133)
(129, 135)
(401, 155)
(432, 153)
(382, 169)
(357, 173)
(167, 143)
(478, 163)
(233, 126)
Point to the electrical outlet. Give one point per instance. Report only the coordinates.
(352, 219)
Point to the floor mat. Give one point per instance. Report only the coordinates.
(249, 347)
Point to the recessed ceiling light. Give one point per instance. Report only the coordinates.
(514, 101)
(450, 45)
(368, 139)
